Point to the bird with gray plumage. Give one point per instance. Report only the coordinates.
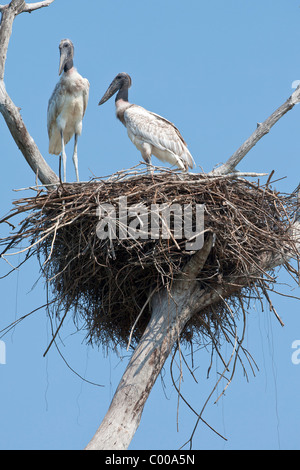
(67, 106)
(150, 133)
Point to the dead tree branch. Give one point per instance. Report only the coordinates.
(8, 109)
(262, 129)
(29, 7)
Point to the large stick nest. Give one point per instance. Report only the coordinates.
(107, 283)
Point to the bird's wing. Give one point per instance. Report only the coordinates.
(86, 91)
(55, 105)
(156, 130)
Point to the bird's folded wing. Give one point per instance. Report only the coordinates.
(55, 106)
(154, 129)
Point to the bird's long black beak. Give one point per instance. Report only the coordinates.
(111, 90)
(64, 57)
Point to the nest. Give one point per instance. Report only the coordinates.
(108, 282)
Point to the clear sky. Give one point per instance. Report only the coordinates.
(215, 69)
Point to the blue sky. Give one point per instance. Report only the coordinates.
(215, 69)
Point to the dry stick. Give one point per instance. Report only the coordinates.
(139, 316)
(235, 353)
(64, 359)
(38, 242)
(7, 329)
(186, 402)
(271, 306)
(11, 265)
(261, 131)
(180, 380)
(53, 241)
(240, 342)
(210, 395)
(56, 333)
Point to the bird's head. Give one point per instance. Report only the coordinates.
(66, 50)
(121, 81)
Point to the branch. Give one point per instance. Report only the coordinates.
(197, 262)
(6, 24)
(8, 109)
(29, 7)
(23, 7)
(261, 131)
(24, 140)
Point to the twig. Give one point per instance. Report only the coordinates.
(139, 316)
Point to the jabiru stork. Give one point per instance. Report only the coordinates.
(67, 106)
(151, 134)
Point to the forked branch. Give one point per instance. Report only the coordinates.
(262, 129)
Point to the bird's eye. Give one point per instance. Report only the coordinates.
(66, 45)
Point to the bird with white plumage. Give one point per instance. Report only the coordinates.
(151, 134)
(67, 106)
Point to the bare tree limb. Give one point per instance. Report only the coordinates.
(261, 131)
(8, 16)
(23, 7)
(8, 109)
(195, 265)
(29, 7)
(24, 140)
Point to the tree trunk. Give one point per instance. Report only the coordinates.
(170, 313)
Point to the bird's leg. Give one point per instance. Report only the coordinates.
(75, 158)
(59, 169)
(146, 152)
(63, 154)
(181, 164)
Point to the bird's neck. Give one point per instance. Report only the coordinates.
(122, 94)
(68, 65)
(121, 107)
